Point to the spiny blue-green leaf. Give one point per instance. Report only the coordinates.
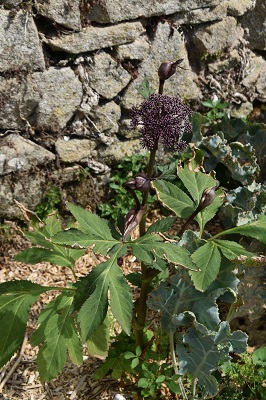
(208, 259)
(75, 237)
(94, 309)
(91, 223)
(98, 343)
(195, 182)
(255, 229)
(62, 257)
(120, 298)
(16, 299)
(58, 331)
(232, 250)
(175, 296)
(200, 354)
(174, 198)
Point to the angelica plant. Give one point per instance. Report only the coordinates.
(202, 271)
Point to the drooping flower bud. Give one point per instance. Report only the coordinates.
(139, 182)
(132, 220)
(168, 68)
(207, 197)
(120, 261)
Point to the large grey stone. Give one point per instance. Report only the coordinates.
(165, 47)
(20, 47)
(94, 38)
(51, 98)
(63, 12)
(118, 150)
(74, 150)
(201, 15)
(255, 23)
(212, 39)
(107, 77)
(20, 154)
(137, 50)
(106, 11)
(256, 78)
(27, 188)
(11, 93)
(239, 7)
(104, 121)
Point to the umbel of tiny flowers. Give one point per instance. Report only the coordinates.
(162, 118)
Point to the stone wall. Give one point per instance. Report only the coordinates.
(70, 70)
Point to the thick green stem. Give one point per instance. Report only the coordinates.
(146, 276)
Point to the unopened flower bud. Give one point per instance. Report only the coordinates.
(139, 182)
(207, 197)
(167, 69)
(132, 220)
(120, 261)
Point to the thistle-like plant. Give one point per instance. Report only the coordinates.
(202, 271)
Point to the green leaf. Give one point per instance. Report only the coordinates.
(16, 298)
(259, 356)
(232, 250)
(98, 343)
(75, 237)
(196, 182)
(175, 254)
(174, 198)
(120, 298)
(59, 333)
(161, 225)
(91, 223)
(255, 229)
(208, 259)
(94, 310)
(62, 257)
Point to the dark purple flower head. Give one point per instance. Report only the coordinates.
(164, 119)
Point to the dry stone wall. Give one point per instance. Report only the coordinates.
(70, 71)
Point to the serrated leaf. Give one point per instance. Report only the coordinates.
(73, 344)
(75, 237)
(208, 259)
(99, 342)
(94, 310)
(60, 335)
(196, 182)
(175, 254)
(91, 223)
(16, 298)
(62, 257)
(161, 225)
(174, 198)
(232, 250)
(255, 229)
(120, 298)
